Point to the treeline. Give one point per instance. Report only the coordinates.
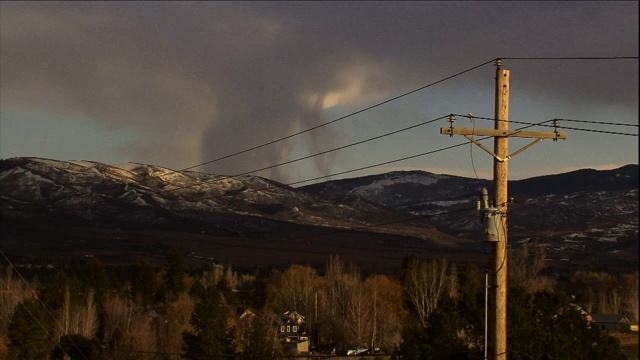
(430, 309)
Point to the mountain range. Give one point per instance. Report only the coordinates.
(60, 211)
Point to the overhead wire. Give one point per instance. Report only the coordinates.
(549, 120)
(597, 131)
(571, 128)
(473, 129)
(571, 58)
(396, 98)
(342, 117)
(368, 167)
(316, 154)
(14, 269)
(599, 122)
(318, 126)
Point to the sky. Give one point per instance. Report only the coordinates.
(179, 84)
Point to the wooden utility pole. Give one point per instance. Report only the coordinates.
(496, 215)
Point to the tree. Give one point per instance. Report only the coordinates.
(545, 326)
(95, 277)
(27, 333)
(212, 337)
(347, 314)
(76, 347)
(525, 267)
(387, 312)
(294, 289)
(174, 273)
(16, 290)
(259, 341)
(145, 283)
(442, 338)
(425, 283)
(55, 289)
(631, 283)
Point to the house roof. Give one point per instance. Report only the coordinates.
(292, 317)
(610, 318)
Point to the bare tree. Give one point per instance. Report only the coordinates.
(85, 320)
(387, 313)
(343, 317)
(631, 300)
(170, 326)
(592, 289)
(359, 320)
(118, 313)
(13, 291)
(525, 267)
(63, 320)
(425, 284)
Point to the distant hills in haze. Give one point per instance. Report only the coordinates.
(58, 211)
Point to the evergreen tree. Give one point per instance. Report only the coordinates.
(95, 277)
(174, 273)
(145, 283)
(440, 339)
(229, 296)
(540, 326)
(27, 335)
(546, 326)
(259, 341)
(54, 289)
(76, 347)
(212, 337)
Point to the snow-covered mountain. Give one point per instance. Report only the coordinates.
(136, 197)
(90, 208)
(585, 214)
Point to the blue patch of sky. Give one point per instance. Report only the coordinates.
(60, 137)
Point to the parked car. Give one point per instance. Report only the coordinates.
(357, 351)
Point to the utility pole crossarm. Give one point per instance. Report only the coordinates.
(504, 133)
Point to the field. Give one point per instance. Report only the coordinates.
(55, 244)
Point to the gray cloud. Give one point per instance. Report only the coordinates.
(198, 81)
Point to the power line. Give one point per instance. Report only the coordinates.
(570, 128)
(560, 119)
(43, 306)
(572, 58)
(597, 131)
(139, 181)
(340, 118)
(396, 98)
(318, 154)
(359, 169)
(598, 122)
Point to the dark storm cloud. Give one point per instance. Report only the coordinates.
(201, 80)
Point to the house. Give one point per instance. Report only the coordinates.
(293, 333)
(612, 322)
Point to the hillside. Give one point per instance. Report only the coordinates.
(59, 211)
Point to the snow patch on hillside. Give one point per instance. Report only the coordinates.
(379, 185)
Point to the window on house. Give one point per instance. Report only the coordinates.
(295, 328)
(282, 328)
(288, 328)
